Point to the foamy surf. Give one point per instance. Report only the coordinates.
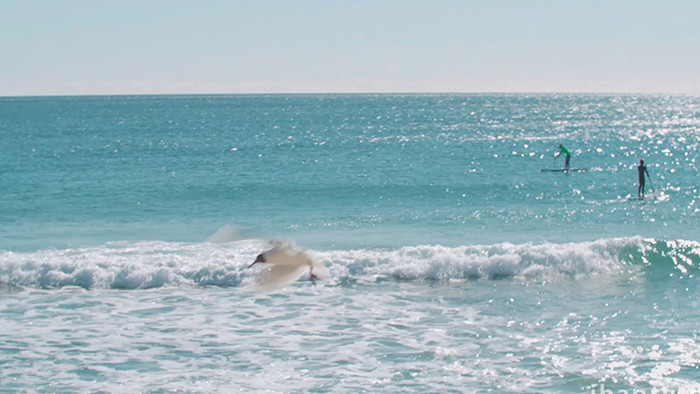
(144, 265)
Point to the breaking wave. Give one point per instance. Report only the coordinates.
(144, 265)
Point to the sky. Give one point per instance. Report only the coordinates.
(72, 47)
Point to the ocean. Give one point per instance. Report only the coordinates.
(127, 225)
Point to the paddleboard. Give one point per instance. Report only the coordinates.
(658, 196)
(652, 196)
(563, 170)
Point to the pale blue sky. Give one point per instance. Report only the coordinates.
(141, 47)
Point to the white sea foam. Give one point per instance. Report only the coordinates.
(499, 261)
(131, 265)
(143, 265)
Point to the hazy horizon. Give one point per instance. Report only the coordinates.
(391, 46)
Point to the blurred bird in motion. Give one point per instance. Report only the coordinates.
(287, 264)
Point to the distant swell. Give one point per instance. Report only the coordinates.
(144, 265)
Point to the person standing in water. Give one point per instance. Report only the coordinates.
(641, 169)
(567, 156)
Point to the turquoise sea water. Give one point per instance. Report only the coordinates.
(127, 224)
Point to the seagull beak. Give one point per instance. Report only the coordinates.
(259, 259)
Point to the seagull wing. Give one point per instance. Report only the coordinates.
(319, 269)
(280, 275)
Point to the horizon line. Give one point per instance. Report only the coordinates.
(573, 93)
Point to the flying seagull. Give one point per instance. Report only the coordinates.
(287, 264)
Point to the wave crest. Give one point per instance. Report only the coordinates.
(144, 265)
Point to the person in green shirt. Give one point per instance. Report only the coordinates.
(567, 156)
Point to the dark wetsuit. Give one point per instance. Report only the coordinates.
(641, 169)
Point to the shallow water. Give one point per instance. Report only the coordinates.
(388, 335)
